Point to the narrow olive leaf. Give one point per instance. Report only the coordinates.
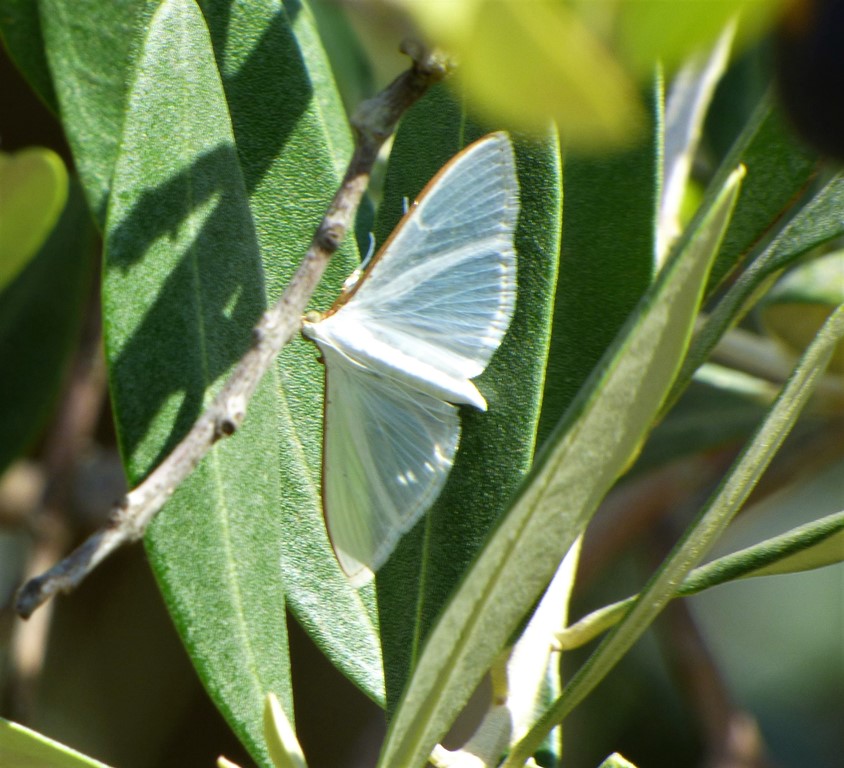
(22, 748)
(720, 407)
(183, 287)
(710, 524)
(293, 143)
(592, 445)
(41, 315)
(496, 447)
(20, 33)
(817, 222)
(814, 545)
(91, 48)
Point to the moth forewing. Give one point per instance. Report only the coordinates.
(401, 346)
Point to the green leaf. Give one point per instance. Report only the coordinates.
(591, 446)
(813, 545)
(91, 48)
(608, 258)
(817, 222)
(293, 144)
(183, 286)
(710, 524)
(350, 61)
(20, 31)
(496, 447)
(41, 314)
(33, 192)
(23, 748)
(779, 171)
(189, 269)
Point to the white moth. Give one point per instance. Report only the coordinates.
(400, 346)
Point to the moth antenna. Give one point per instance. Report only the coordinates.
(370, 253)
(352, 280)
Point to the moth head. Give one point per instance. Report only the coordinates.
(309, 319)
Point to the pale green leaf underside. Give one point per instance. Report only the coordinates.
(282, 743)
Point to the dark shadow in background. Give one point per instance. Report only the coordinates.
(335, 723)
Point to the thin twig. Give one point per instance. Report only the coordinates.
(374, 122)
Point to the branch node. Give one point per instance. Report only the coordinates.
(225, 427)
(375, 119)
(430, 62)
(329, 236)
